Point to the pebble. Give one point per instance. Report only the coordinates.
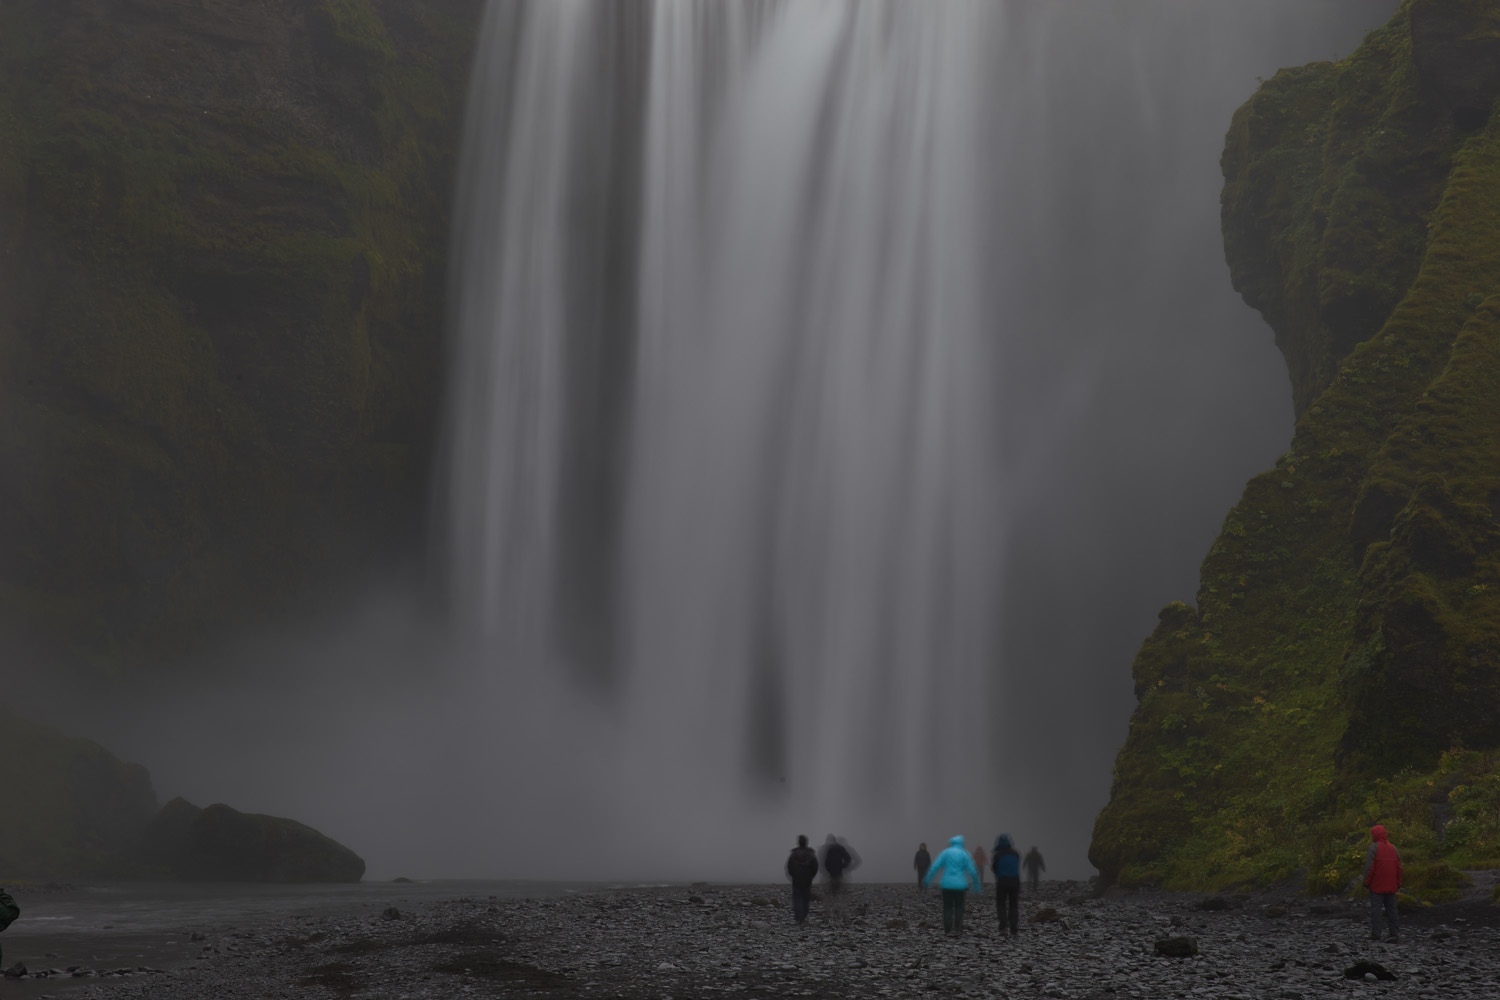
(714, 942)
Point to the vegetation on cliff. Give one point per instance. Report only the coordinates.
(1342, 663)
(222, 238)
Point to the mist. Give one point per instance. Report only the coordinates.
(577, 689)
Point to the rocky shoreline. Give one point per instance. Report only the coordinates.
(711, 941)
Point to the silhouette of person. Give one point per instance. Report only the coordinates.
(921, 863)
(801, 868)
(1034, 867)
(980, 861)
(838, 858)
(1007, 885)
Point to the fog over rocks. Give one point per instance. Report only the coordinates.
(716, 941)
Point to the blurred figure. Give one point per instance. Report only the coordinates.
(9, 911)
(958, 875)
(838, 858)
(1034, 867)
(921, 863)
(980, 861)
(801, 868)
(1007, 885)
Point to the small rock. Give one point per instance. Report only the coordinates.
(1177, 947)
(1370, 971)
(1213, 903)
(1046, 915)
(15, 971)
(390, 913)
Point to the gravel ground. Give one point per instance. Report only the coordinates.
(711, 941)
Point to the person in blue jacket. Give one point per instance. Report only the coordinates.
(959, 874)
(1007, 867)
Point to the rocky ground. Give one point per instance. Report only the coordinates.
(712, 941)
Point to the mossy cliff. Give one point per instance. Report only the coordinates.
(1341, 664)
(222, 236)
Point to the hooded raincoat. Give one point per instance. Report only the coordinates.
(1382, 864)
(957, 867)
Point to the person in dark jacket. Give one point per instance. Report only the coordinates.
(1034, 867)
(801, 868)
(838, 858)
(921, 863)
(1007, 868)
(9, 911)
(1383, 879)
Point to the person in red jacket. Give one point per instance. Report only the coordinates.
(1383, 879)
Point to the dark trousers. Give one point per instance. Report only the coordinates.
(801, 900)
(1008, 902)
(1382, 901)
(921, 874)
(953, 910)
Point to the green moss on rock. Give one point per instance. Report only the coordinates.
(1345, 643)
(223, 230)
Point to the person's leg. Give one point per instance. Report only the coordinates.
(801, 901)
(958, 911)
(948, 895)
(1391, 917)
(1376, 906)
(1013, 909)
(1000, 907)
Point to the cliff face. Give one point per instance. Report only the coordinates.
(1342, 663)
(222, 236)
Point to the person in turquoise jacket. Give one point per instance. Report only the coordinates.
(8, 911)
(959, 874)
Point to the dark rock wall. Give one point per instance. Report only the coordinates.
(1342, 660)
(223, 229)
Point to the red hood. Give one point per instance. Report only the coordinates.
(1378, 832)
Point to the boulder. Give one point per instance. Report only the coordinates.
(221, 844)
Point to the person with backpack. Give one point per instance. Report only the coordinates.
(9, 911)
(1383, 879)
(959, 874)
(801, 868)
(1007, 868)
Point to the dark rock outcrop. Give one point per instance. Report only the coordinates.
(79, 811)
(74, 808)
(221, 844)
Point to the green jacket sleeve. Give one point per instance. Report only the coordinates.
(8, 910)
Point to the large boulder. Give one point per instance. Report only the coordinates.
(221, 844)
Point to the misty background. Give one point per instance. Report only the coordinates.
(1136, 394)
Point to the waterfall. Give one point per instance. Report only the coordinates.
(823, 374)
(725, 379)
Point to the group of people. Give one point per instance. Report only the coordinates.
(960, 872)
(963, 872)
(834, 859)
